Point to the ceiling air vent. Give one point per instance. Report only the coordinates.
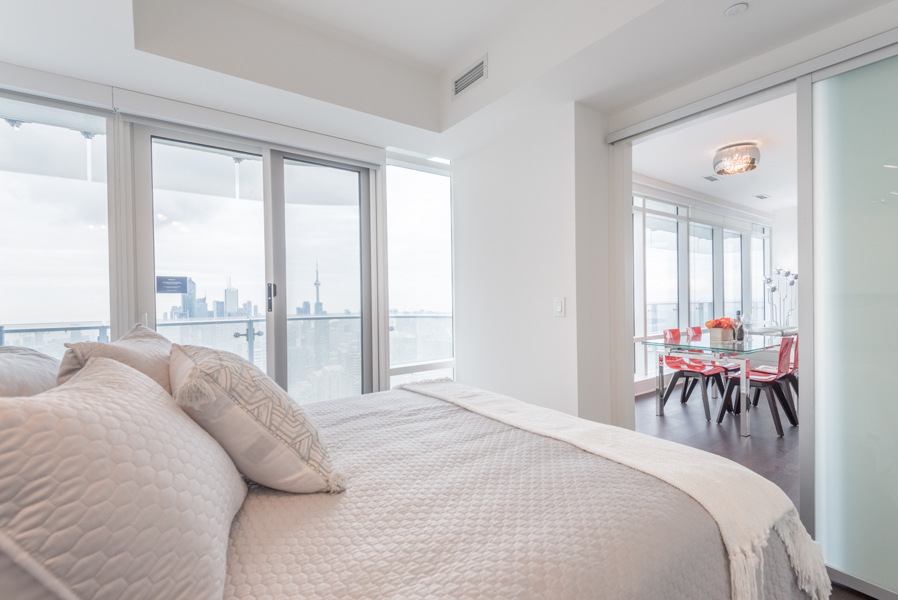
(711, 178)
(762, 196)
(467, 79)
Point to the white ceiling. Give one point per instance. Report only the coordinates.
(431, 33)
(683, 157)
(609, 54)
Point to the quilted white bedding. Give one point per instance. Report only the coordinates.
(444, 503)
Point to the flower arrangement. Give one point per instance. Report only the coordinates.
(724, 323)
(721, 330)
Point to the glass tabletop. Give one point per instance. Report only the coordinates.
(751, 344)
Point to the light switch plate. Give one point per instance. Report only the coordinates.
(559, 307)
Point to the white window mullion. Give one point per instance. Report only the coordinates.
(275, 265)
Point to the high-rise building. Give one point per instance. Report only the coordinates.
(248, 308)
(202, 309)
(231, 306)
(218, 309)
(305, 309)
(188, 300)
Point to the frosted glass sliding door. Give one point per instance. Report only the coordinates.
(856, 321)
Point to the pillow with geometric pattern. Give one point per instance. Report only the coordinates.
(265, 432)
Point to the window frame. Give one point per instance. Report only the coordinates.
(140, 137)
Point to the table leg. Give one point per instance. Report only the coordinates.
(659, 388)
(745, 424)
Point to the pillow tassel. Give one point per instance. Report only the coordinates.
(195, 392)
(336, 483)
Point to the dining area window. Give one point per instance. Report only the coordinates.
(690, 266)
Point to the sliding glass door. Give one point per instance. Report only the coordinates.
(209, 247)
(855, 202)
(324, 281)
(257, 252)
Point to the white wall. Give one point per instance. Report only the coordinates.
(785, 238)
(530, 217)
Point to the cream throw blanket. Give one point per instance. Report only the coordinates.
(745, 505)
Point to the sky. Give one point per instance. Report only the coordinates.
(208, 225)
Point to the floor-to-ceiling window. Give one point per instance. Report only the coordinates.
(701, 274)
(760, 268)
(732, 273)
(419, 235)
(688, 270)
(54, 230)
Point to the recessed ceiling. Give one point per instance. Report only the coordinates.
(683, 157)
(432, 33)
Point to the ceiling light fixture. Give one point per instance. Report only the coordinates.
(737, 9)
(442, 161)
(737, 158)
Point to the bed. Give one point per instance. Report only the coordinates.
(122, 481)
(445, 503)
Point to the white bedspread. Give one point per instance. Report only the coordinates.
(745, 506)
(444, 503)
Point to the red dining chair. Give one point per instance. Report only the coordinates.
(696, 370)
(695, 333)
(771, 384)
(792, 376)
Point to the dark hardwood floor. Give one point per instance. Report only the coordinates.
(775, 458)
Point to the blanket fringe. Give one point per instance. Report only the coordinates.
(745, 567)
(195, 392)
(805, 555)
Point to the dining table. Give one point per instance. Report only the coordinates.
(703, 348)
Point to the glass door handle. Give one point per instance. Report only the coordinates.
(272, 292)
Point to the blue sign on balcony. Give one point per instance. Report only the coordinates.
(171, 285)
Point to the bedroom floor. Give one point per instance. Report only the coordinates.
(763, 452)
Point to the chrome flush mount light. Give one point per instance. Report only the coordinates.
(737, 158)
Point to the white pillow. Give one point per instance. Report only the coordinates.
(26, 372)
(266, 433)
(108, 490)
(141, 348)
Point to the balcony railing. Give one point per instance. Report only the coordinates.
(324, 355)
(50, 338)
